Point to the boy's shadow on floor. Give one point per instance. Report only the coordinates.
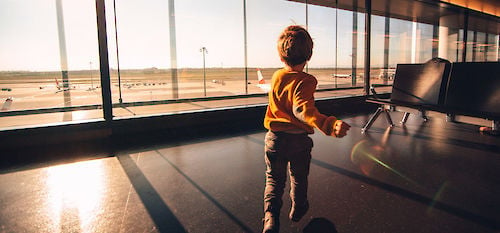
(320, 225)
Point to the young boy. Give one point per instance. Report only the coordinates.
(291, 115)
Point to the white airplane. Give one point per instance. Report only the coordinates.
(60, 87)
(342, 75)
(262, 82)
(6, 105)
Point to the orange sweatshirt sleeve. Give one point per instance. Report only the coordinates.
(291, 104)
(305, 110)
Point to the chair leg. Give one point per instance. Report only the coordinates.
(450, 117)
(495, 125)
(372, 119)
(388, 118)
(405, 118)
(493, 130)
(424, 116)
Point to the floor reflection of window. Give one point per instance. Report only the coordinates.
(75, 192)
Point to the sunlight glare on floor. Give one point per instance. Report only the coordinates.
(75, 193)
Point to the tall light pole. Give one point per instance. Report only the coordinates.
(117, 56)
(204, 51)
(91, 79)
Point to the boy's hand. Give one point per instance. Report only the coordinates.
(340, 128)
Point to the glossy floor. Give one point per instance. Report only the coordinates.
(425, 177)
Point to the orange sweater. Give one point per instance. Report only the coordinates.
(291, 104)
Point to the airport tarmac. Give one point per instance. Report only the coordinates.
(43, 94)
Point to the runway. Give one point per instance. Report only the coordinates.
(42, 93)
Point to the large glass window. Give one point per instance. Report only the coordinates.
(400, 38)
(491, 47)
(482, 39)
(265, 21)
(210, 48)
(423, 43)
(415, 35)
(451, 35)
(323, 28)
(48, 59)
(168, 56)
(181, 50)
(339, 47)
(139, 50)
(410, 42)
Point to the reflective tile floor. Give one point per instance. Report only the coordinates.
(425, 177)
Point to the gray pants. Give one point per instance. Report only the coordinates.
(281, 150)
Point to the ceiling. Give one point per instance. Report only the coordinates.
(491, 7)
(427, 11)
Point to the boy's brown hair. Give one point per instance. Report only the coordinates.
(295, 45)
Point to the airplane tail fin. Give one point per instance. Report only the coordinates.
(7, 104)
(261, 78)
(57, 84)
(262, 82)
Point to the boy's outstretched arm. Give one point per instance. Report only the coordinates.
(340, 128)
(305, 110)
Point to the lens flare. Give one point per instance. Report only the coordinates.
(436, 197)
(367, 155)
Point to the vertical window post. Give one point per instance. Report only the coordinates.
(354, 51)
(64, 59)
(173, 49)
(368, 23)
(464, 42)
(245, 44)
(104, 61)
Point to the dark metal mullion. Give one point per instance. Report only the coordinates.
(464, 41)
(387, 41)
(368, 23)
(435, 38)
(336, 40)
(307, 15)
(245, 48)
(104, 61)
(354, 51)
(473, 48)
(307, 28)
(486, 41)
(49, 110)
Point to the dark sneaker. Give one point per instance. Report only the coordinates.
(271, 223)
(297, 212)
